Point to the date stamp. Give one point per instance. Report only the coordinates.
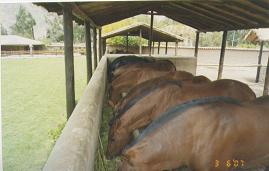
(234, 163)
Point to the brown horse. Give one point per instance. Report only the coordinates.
(140, 88)
(214, 133)
(125, 81)
(120, 62)
(150, 106)
(127, 67)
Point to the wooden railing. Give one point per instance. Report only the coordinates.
(39, 52)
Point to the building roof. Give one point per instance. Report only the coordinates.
(17, 41)
(258, 35)
(134, 30)
(203, 15)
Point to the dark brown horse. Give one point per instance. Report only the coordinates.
(146, 71)
(140, 88)
(144, 109)
(208, 134)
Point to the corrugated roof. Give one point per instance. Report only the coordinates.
(17, 40)
(258, 35)
(203, 15)
(134, 30)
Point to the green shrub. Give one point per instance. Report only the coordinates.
(55, 133)
(120, 40)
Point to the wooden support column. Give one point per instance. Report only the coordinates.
(69, 60)
(259, 62)
(104, 46)
(166, 45)
(94, 48)
(88, 50)
(266, 82)
(100, 51)
(176, 46)
(140, 41)
(31, 49)
(127, 43)
(222, 53)
(159, 47)
(151, 32)
(153, 46)
(196, 44)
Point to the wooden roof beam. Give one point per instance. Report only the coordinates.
(211, 14)
(247, 13)
(80, 14)
(123, 15)
(194, 12)
(181, 17)
(256, 7)
(228, 14)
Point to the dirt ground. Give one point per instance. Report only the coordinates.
(243, 74)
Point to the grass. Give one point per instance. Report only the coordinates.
(107, 165)
(33, 108)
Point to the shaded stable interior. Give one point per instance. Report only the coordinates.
(203, 15)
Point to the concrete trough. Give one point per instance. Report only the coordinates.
(76, 147)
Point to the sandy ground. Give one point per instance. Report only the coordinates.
(243, 74)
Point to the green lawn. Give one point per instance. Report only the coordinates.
(33, 101)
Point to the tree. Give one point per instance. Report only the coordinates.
(55, 32)
(24, 24)
(79, 33)
(210, 39)
(3, 30)
(236, 38)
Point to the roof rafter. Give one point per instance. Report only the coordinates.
(226, 14)
(211, 14)
(204, 15)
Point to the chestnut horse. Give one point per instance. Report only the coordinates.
(215, 133)
(140, 88)
(141, 111)
(125, 60)
(146, 71)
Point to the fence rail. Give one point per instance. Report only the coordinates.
(39, 52)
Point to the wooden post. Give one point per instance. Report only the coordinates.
(151, 32)
(159, 47)
(176, 45)
(153, 46)
(69, 60)
(100, 44)
(266, 82)
(222, 53)
(166, 45)
(196, 44)
(94, 48)
(127, 43)
(104, 46)
(88, 50)
(31, 49)
(259, 62)
(140, 41)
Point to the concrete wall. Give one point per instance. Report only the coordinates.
(182, 63)
(207, 55)
(75, 148)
